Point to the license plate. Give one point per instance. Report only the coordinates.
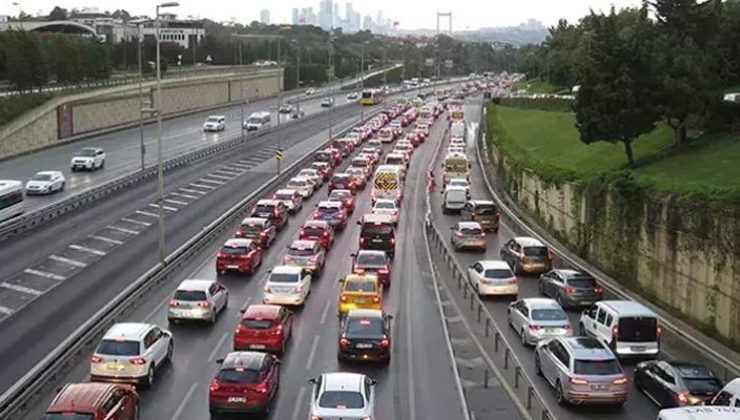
(359, 300)
(364, 346)
(232, 267)
(551, 330)
(340, 186)
(638, 348)
(237, 399)
(377, 241)
(114, 366)
(257, 346)
(599, 387)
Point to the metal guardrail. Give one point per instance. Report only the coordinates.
(48, 371)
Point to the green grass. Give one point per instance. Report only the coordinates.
(535, 85)
(14, 105)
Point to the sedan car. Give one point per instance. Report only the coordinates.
(303, 185)
(387, 207)
(273, 210)
(215, 123)
(493, 278)
(246, 382)
(262, 231)
(466, 235)
(332, 212)
(287, 285)
(240, 255)
(285, 109)
(292, 199)
(365, 335)
(310, 91)
(359, 176)
(570, 288)
(324, 168)
(373, 262)
(676, 384)
(360, 291)
(45, 182)
(200, 300)
(313, 175)
(342, 181)
(458, 182)
(342, 395)
(327, 102)
(536, 319)
(306, 254)
(346, 197)
(264, 328)
(317, 230)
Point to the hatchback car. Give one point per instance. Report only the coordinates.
(484, 212)
(360, 291)
(581, 370)
(386, 135)
(264, 328)
(676, 384)
(287, 285)
(342, 395)
(306, 254)
(527, 255)
(373, 262)
(570, 288)
(536, 319)
(359, 176)
(303, 185)
(493, 278)
(94, 401)
(377, 232)
(317, 230)
(361, 162)
(292, 199)
(45, 182)
(365, 335)
(459, 183)
(312, 175)
(467, 235)
(246, 382)
(131, 352)
(325, 169)
(345, 197)
(198, 300)
(376, 144)
(274, 210)
(342, 181)
(240, 255)
(260, 230)
(332, 212)
(387, 207)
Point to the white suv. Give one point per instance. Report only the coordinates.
(89, 158)
(343, 395)
(215, 123)
(131, 352)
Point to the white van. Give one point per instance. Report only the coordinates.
(729, 396)
(457, 129)
(706, 412)
(628, 328)
(454, 199)
(387, 183)
(258, 121)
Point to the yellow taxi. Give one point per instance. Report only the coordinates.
(360, 291)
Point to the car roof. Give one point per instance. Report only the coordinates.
(733, 386)
(385, 200)
(494, 264)
(127, 330)
(268, 202)
(468, 225)
(342, 191)
(587, 348)
(48, 173)
(303, 244)
(254, 221)
(262, 311)
(196, 285)
(526, 241)
(299, 178)
(238, 242)
(286, 269)
(570, 273)
(251, 360)
(365, 313)
(343, 381)
(216, 116)
(541, 303)
(483, 202)
(331, 204)
(81, 396)
(316, 223)
(628, 308)
(312, 170)
(370, 252)
(377, 218)
(456, 188)
(286, 191)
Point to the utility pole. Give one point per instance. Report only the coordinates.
(362, 82)
(280, 87)
(298, 79)
(331, 76)
(141, 98)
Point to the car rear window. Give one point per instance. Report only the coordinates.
(364, 327)
(340, 178)
(394, 160)
(385, 205)
(638, 329)
(485, 209)
(359, 286)
(582, 282)
(327, 210)
(535, 251)
(498, 274)
(283, 278)
(68, 416)
(313, 231)
(471, 231)
(549, 315)
(257, 324)
(338, 195)
(240, 376)
(373, 229)
(251, 229)
(359, 163)
(233, 250)
(118, 348)
(190, 295)
(366, 258)
(301, 252)
(264, 208)
(597, 367)
(297, 184)
(342, 400)
(286, 197)
(698, 386)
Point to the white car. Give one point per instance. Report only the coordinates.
(89, 158)
(388, 207)
(493, 278)
(131, 352)
(292, 199)
(536, 319)
(458, 183)
(45, 182)
(313, 175)
(343, 395)
(352, 96)
(215, 123)
(310, 91)
(200, 300)
(303, 185)
(287, 285)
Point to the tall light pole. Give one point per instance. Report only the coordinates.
(331, 76)
(362, 81)
(298, 78)
(280, 88)
(142, 147)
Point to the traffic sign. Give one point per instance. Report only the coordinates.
(279, 154)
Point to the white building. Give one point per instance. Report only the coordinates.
(183, 32)
(265, 16)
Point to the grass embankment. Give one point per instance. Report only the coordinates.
(536, 85)
(548, 143)
(14, 105)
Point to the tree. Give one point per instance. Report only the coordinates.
(58, 13)
(122, 14)
(615, 101)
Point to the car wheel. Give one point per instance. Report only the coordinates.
(523, 338)
(212, 319)
(559, 394)
(61, 188)
(73, 169)
(149, 381)
(170, 349)
(387, 360)
(537, 364)
(581, 330)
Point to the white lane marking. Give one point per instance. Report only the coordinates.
(156, 206)
(228, 170)
(312, 354)
(68, 261)
(211, 181)
(120, 229)
(217, 176)
(45, 274)
(146, 213)
(185, 401)
(192, 197)
(209, 187)
(241, 165)
(246, 303)
(180, 203)
(188, 190)
(135, 222)
(298, 403)
(216, 349)
(22, 289)
(86, 249)
(6, 311)
(108, 240)
(325, 312)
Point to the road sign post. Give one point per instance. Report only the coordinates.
(278, 158)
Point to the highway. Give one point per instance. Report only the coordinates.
(418, 384)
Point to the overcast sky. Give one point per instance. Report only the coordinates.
(409, 13)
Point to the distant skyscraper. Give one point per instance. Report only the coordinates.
(367, 23)
(326, 14)
(295, 17)
(265, 16)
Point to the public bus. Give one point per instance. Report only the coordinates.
(371, 97)
(11, 199)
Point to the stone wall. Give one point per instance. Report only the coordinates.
(684, 256)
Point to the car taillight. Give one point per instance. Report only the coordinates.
(204, 304)
(261, 387)
(362, 240)
(566, 327)
(534, 327)
(577, 381)
(376, 299)
(570, 290)
(214, 386)
(385, 342)
(299, 288)
(343, 298)
(278, 330)
(659, 331)
(238, 329)
(174, 303)
(393, 241)
(343, 342)
(483, 234)
(383, 270)
(137, 361)
(244, 256)
(239, 232)
(96, 359)
(598, 290)
(221, 255)
(326, 234)
(615, 333)
(623, 380)
(512, 280)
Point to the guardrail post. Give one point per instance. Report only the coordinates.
(488, 325)
(529, 397)
(495, 341)
(465, 292)
(517, 373)
(459, 281)
(472, 300)
(480, 311)
(485, 378)
(506, 358)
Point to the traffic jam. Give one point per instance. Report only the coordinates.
(129, 356)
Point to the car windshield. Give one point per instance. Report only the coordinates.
(459, 182)
(190, 295)
(340, 179)
(359, 286)
(257, 324)
(119, 348)
(68, 415)
(301, 252)
(535, 251)
(498, 273)
(703, 385)
(212, 119)
(638, 329)
(284, 196)
(264, 208)
(283, 278)
(390, 205)
(307, 172)
(597, 367)
(582, 282)
(238, 376)
(370, 259)
(41, 177)
(341, 399)
(327, 211)
(86, 152)
(549, 315)
(364, 327)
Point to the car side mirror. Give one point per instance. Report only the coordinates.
(389, 317)
(312, 381)
(373, 382)
(340, 280)
(220, 361)
(359, 223)
(241, 311)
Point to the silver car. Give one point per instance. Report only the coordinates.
(341, 395)
(200, 300)
(581, 370)
(535, 319)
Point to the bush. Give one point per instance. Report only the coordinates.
(15, 105)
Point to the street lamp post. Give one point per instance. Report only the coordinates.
(298, 80)
(141, 97)
(331, 76)
(362, 82)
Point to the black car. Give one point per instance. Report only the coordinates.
(527, 255)
(365, 335)
(285, 109)
(570, 288)
(342, 181)
(377, 232)
(676, 384)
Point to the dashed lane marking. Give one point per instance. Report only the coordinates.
(209, 187)
(22, 289)
(312, 354)
(146, 213)
(242, 165)
(188, 190)
(179, 203)
(184, 402)
(86, 249)
(298, 403)
(135, 222)
(211, 181)
(168, 208)
(217, 176)
(192, 197)
(68, 261)
(120, 229)
(325, 312)
(108, 240)
(216, 349)
(45, 274)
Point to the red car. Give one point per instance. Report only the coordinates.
(346, 197)
(317, 230)
(262, 231)
(414, 137)
(274, 210)
(95, 401)
(373, 261)
(246, 382)
(325, 169)
(336, 155)
(264, 328)
(241, 255)
(342, 181)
